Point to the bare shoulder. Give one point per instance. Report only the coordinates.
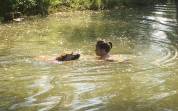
(121, 58)
(47, 59)
(44, 58)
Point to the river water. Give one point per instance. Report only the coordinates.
(148, 37)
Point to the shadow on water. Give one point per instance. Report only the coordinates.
(176, 2)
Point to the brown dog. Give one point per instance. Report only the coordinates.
(68, 57)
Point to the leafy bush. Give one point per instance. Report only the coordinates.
(98, 4)
(33, 7)
(28, 7)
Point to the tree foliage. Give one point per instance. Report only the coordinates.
(33, 7)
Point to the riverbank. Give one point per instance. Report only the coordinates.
(12, 9)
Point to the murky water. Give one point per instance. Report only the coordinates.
(148, 82)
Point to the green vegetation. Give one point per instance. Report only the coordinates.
(9, 8)
(98, 4)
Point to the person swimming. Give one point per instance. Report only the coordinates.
(102, 49)
(58, 59)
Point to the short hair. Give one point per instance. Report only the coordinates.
(107, 46)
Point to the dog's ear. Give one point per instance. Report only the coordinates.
(110, 43)
(59, 58)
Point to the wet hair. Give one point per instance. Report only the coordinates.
(68, 57)
(107, 46)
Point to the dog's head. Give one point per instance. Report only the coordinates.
(68, 57)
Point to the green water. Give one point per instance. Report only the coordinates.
(147, 82)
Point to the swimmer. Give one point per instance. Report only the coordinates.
(65, 57)
(102, 50)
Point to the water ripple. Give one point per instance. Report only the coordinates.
(43, 85)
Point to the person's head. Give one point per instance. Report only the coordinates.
(68, 57)
(103, 48)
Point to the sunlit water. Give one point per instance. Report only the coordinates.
(148, 81)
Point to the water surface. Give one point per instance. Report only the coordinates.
(148, 82)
